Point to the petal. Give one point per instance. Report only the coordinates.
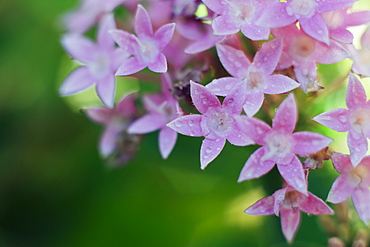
(223, 26)
(211, 148)
(290, 219)
(341, 35)
(264, 206)
(130, 66)
(215, 5)
(223, 86)
(204, 44)
(361, 201)
(99, 114)
(164, 35)
(253, 103)
(329, 54)
(143, 24)
(311, 204)
(79, 47)
(126, 106)
(106, 89)
(286, 115)
(340, 190)
(189, 125)
(234, 101)
(167, 140)
(125, 40)
(268, 55)
(239, 138)
(108, 140)
(293, 174)
(305, 74)
(234, 61)
(255, 167)
(202, 97)
(104, 38)
(357, 145)
(276, 16)
(316, 28)
(356, 95)
(255, 128)
(147, 123)
(357, 18)
(255, 32)
(306, 142)
(279, 198)
(277, 84)
(325, 6)
(159, 65)
(341, 162)
(336, 119)
(76, 81)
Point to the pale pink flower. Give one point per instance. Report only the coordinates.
(355, 120)
(361, 56)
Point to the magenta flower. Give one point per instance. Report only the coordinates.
(354, 182)
(161, 110)
(116, 121)
(146, 48)
(281, 14)
(355, 120)
(287, 203)
(235, 15)
(302, 52)
(216, 123)
(101, 63)
(257, 77)
(280, 146)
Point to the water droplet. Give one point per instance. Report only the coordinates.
(228, 87)
(319, 31)
(191, 133)
(259, 130)
(191, 123)
(197, 91)
(230, 102)
(343, 119)
(208, 150)
(272, 44)
(205, 101)
(218, 140)
(218, 149)
(237, 64)
(265, 59)
(216, 89)
(178, 124)
(205, 156)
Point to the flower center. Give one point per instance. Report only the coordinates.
(291, 200)
(301, 8)
(358, 175)
(101, 65)
(255, 81)
(149, 50)
(220, 122)
(303, 46)
(278, 147)
(241, 11)
(333, 19)
(360, 120)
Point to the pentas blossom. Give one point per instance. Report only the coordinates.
(280, 146)
(354, 182)
(236, 15)
(361, 57)
(302, 52)
(101, 61)
(281, 14)
(146, 48)
(355, 120)
(256, 77)
(287, 203)
(216, 123)
(116, 121)
(161, 110)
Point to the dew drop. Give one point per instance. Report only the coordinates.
(259, 130)
(228, 87)
(319, 31)
(191, 123)
(218, 149)
(205, 101)
(197, 91)
(178, 124)
(205, 156)
(191, 133)
(265, 59)
(208, 150)
(218, 140)
(343, 119)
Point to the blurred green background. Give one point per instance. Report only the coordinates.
(56, 191)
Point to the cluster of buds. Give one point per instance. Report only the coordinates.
(263, 47)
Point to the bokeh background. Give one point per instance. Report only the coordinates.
(56, 191)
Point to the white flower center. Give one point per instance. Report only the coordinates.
(149, 50)
(358, 175)
(291, 200)
(278, 147)
(360, 120)
(242, 11)
(100, 67)
(255, 81)
(301, 8)
(220, 122)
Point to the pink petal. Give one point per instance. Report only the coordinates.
(264, 206)
(223, 86)
(255, 167)
(290, 219)
(189, 125)
(204, 44)
(79, 47)
(276, 16)
(202, 97)
(233, 60)
(215, 5)
(341, 189)
(341, 162)
(147, 123)
(106, 89)
(211, 148)
(286, 115)
(341, 35)
(223, 26)
(104, 38)
(164, 35)
(356, 95)
(279, 197)
(159, 65)
(143, 24)
(325, 6)
(305, 74)
(268, 55)
(336, 119)
(125, 40)
(277, 84)
(99, 115)
(130, 66)
(108, 140)
(293, 174)
(234, 101)
(126, 106)
(330, 54)
(239, 138)
(76, 81)
(253, 103)
(255, 128)
(361, 201)
(167, 140)
(357, 145)
(306, 142)
(255, 32)
(316, 28)
(357, 18)
(311, 204)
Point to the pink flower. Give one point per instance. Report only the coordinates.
(216, 123)
(161, 110)
(101, 63)
(287, 203)
(146, 48)
(355, 120)
(354, 182)
(280, 146)
(360, 57)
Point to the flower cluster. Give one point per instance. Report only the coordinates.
(218, 99)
